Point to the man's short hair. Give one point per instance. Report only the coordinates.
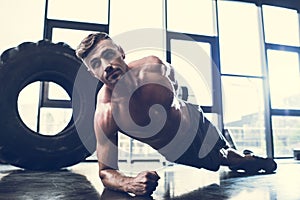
(88, 43)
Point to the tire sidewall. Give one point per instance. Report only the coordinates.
(23, 147)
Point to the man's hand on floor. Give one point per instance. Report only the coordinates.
(144, 183)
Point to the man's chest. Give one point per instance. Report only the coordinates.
(136, 116)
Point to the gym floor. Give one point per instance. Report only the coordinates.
(177, 183)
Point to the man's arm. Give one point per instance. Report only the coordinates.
(170, 72)
(107, 152)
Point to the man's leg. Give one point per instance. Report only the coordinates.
(249, 163)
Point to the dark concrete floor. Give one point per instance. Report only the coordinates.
(176, 183)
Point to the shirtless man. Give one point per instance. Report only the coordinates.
(139, 99)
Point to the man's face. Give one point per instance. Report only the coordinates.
(106, 63)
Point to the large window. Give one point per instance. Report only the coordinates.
(282, 49)
(20, 22)
(134, 28)
(128, 16)
(196, 76)
(286, 133)
(194, 16)
(242, 74)
(244, 112)
(281, 25)
(284, 79)
(240, 38)
(91, 11)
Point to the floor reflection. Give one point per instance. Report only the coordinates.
(22, 184)
(176, 183)
(207, 193)
(231, 186)
(113, 195)
(213, 191)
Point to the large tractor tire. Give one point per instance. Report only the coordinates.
(45, 61)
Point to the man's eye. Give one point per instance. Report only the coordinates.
(95, 63)
(109, 54)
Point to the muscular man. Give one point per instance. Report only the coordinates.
(139, 99)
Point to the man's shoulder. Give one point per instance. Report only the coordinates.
(146, 60)
(153, 59)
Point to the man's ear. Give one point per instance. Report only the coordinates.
(121, 51)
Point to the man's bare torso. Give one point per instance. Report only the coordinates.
(152, 85)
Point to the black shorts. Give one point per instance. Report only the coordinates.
(204, 152)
